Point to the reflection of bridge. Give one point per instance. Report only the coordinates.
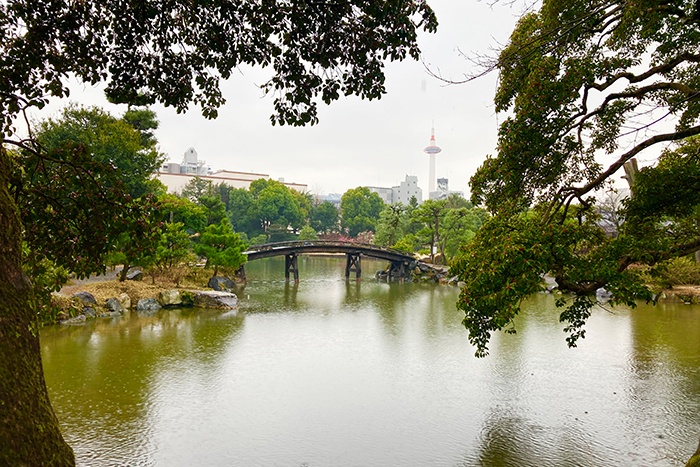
(401, 263)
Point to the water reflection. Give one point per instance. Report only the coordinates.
(511, 439)
(665, 351)
(290, 295)
(330, 372)
(103, 377)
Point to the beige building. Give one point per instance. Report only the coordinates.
(176, 176)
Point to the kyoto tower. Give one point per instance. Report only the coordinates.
(431, 150)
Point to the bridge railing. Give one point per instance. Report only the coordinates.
(321, 243)
(400, 262)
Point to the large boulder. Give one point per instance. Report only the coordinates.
(114, 306)
(214, 299)
(124, 300)
(135, 275)
(148, 305)
(170, 298)
(86, 298)
(221, 284)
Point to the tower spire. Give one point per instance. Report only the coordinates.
(431, 150)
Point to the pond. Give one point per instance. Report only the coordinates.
(336, 373)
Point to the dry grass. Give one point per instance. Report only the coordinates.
(107, 286)
(136, 290)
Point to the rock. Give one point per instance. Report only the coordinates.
(454, 280)
(148, 304)
(86, 298)
(124, 301)
(170, 298)
(135, 275)
(89, 303)
(214, 299)
(77, 320)
(114, 306)
(221, 284)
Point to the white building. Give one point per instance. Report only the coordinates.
(443, 190)
(384, 193)
(401, 193)
(176, 176)
(407, 190)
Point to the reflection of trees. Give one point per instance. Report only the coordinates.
(101, 376)
(509, 439)
(269, 269)
(664, 381)
(538, 320)
(425, 311)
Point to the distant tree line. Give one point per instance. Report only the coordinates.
(131, 221)
(436, 227)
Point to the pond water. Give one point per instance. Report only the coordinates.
(336, 373)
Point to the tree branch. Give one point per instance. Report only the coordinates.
(614, 167)
(660, 70)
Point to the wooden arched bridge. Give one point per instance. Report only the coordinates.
(401, 263)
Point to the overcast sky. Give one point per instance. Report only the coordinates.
(356, 142)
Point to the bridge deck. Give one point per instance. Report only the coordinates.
(325, 246)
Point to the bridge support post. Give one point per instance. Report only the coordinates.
(397, 270)
(353, 264)
(291, 266)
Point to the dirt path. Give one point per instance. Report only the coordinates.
(76, 285)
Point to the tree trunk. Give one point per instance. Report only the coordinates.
(29, 431)
(124, 272)
(438, 241)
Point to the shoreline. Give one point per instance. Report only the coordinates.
(107, 286)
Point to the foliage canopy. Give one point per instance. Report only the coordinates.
(221, 246)
(586, 86)
(83, 187)
(176, 52)
(359, 210)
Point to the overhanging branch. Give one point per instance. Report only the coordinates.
(615, 166)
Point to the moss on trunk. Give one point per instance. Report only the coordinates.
(29, 430)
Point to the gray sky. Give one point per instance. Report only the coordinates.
(356, 142)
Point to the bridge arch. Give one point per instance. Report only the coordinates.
(401, 263)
